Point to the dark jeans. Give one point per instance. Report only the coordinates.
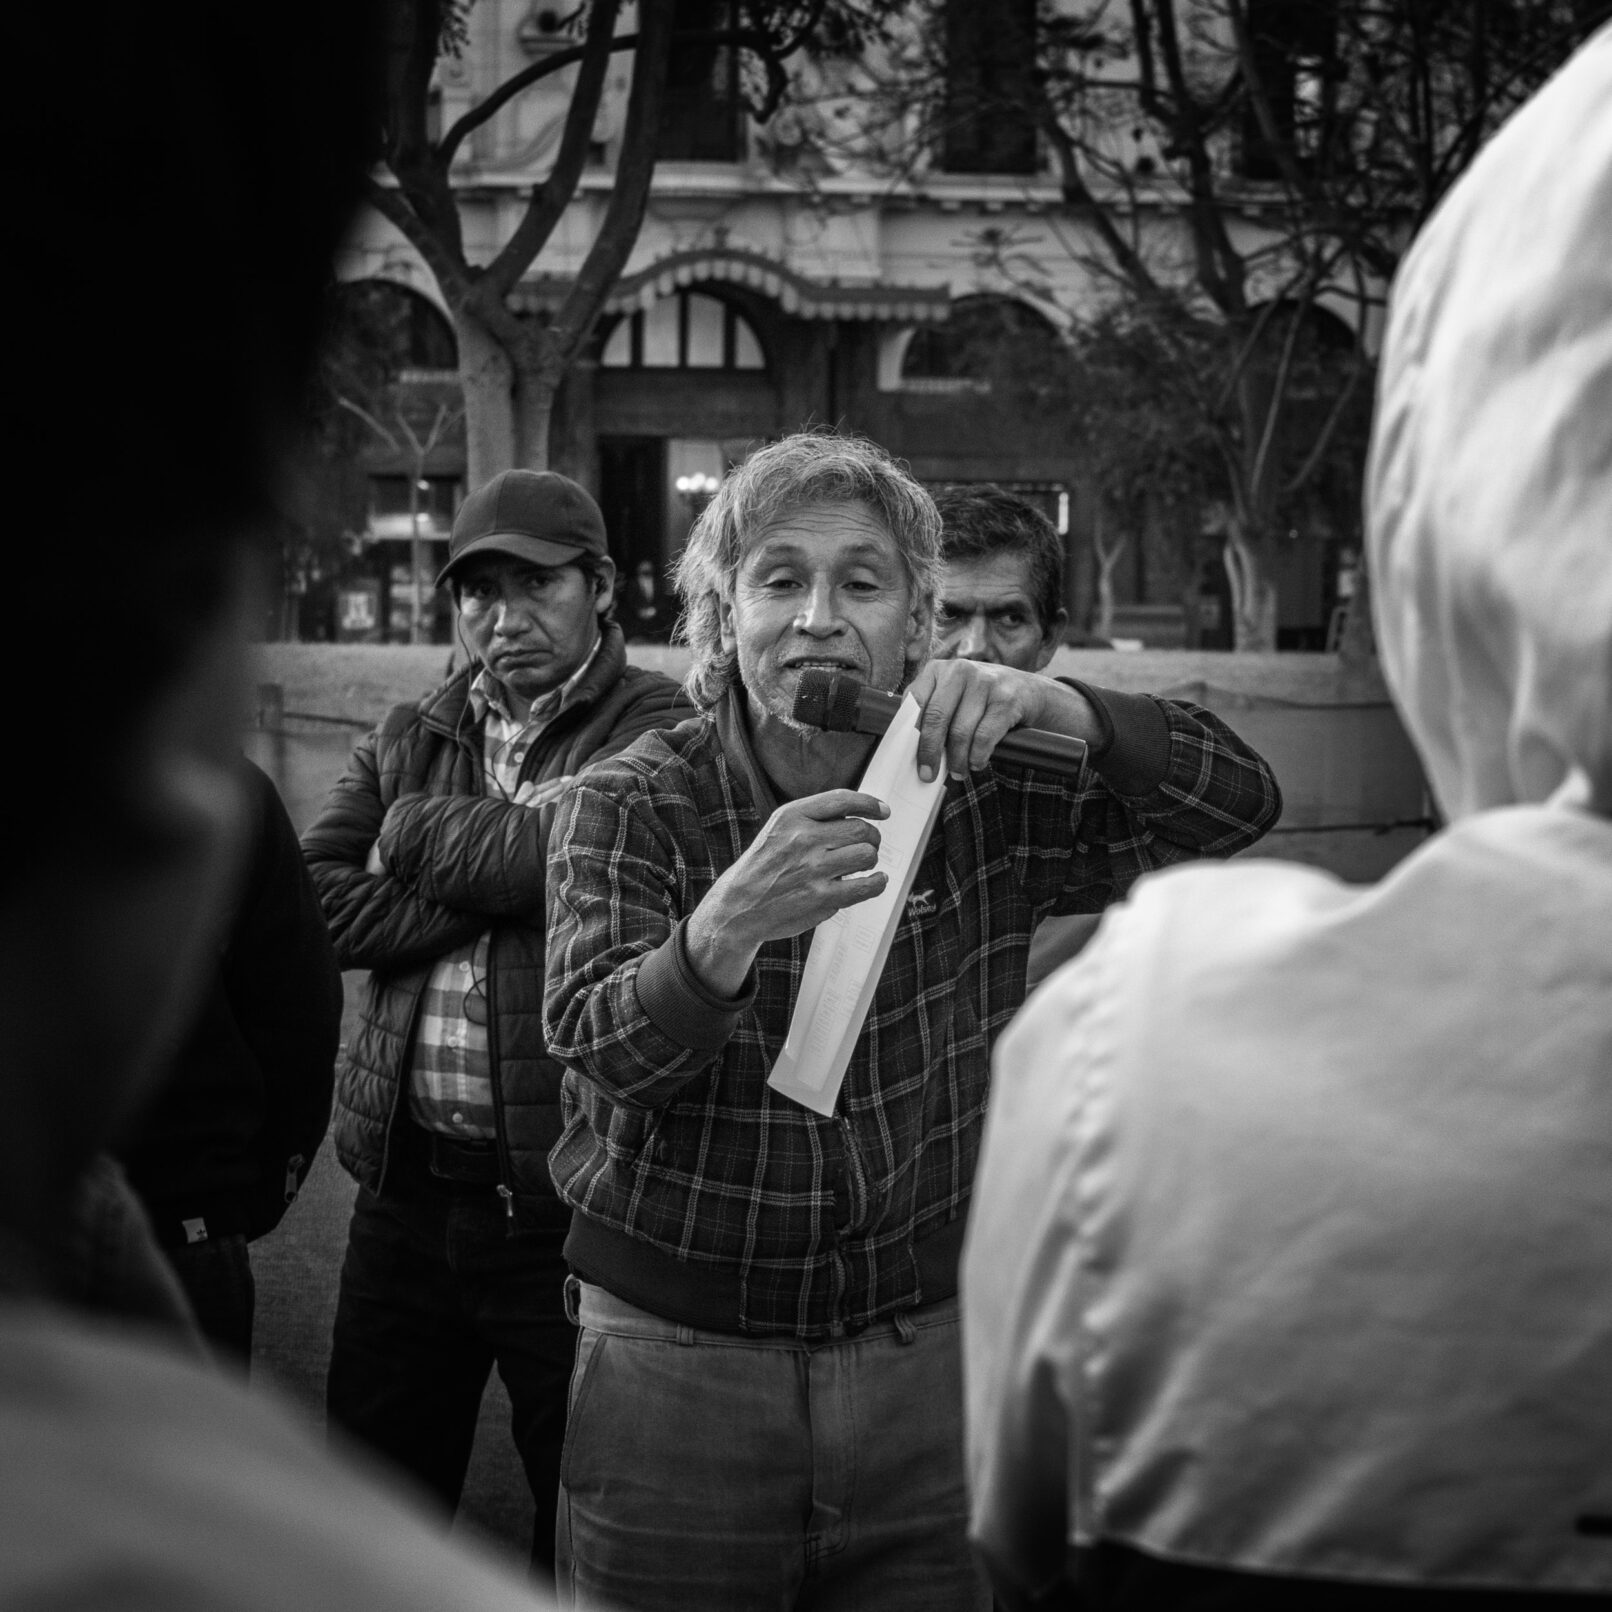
(216, 1275)
(434, 1290)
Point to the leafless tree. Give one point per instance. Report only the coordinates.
(512, 363)
(1239, 177)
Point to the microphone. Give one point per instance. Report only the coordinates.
(842, 705)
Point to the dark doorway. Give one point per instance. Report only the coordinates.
(632, 494)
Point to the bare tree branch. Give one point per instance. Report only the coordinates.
(1329, 427)
(452, 276)
(1079, 199)
(370, 420)
(773, 53)
(1246, 349)
(412, 35)
(1218, 266)
(608, 255)
(469, 121)
(553, 196)
(1277, 397)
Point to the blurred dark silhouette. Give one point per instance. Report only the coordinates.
(646, 609)
(180, 181)
(224, 1147)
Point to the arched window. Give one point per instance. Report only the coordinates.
(688, 330)
(1319, 355)
(981, 333)
(394, 328)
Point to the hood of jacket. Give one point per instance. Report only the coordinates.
(1489, 490)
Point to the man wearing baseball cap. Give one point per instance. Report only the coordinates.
(429, 859)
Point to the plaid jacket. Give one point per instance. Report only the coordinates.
(671, 1133)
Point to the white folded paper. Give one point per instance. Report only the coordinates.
(848, 951)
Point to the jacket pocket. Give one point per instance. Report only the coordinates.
(628, 1131)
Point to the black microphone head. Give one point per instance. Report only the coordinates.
(827, 700)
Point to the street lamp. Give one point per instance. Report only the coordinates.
(417, 486)
(697, 489)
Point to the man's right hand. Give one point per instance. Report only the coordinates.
(792, 877)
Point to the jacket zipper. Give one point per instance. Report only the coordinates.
(501, 1140)
(400, 1096)
(856, 1182)
(504, 1190)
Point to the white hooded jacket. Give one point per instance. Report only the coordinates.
(1291, 1244)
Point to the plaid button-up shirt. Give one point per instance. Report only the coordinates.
(672, 1134)
(450, 1077)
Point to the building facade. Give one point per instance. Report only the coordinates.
(777, 282)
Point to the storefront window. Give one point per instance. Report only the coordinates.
(389, 507)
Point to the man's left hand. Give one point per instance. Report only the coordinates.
(968, 706)
(535, 792)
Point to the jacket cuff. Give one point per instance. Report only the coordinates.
(678, 1003)
(1133, 754)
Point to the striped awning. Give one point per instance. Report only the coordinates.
(795, 293)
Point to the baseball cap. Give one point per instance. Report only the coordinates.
(538, 516)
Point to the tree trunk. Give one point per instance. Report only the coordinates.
(1253, 594)
(535, 386)
(1265, 422)
(1357, 647)
(1103, 617)
(1107, 559)
(509, 402)
(1191, 613)
(416, 548)
(488, 379)
(573, 432)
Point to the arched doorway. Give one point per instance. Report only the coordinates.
(685, 360)
(987, 338)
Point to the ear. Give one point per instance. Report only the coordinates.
(724, 622)
(920, 631)
(1051, 639)
(604, 585)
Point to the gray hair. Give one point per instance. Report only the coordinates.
(808, 469)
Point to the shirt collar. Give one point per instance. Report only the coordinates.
(732, 718)
(487, 694)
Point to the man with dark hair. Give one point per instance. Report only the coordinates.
(1001, 585)
(130, 1474)
(1001, 601)
(429, 858)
